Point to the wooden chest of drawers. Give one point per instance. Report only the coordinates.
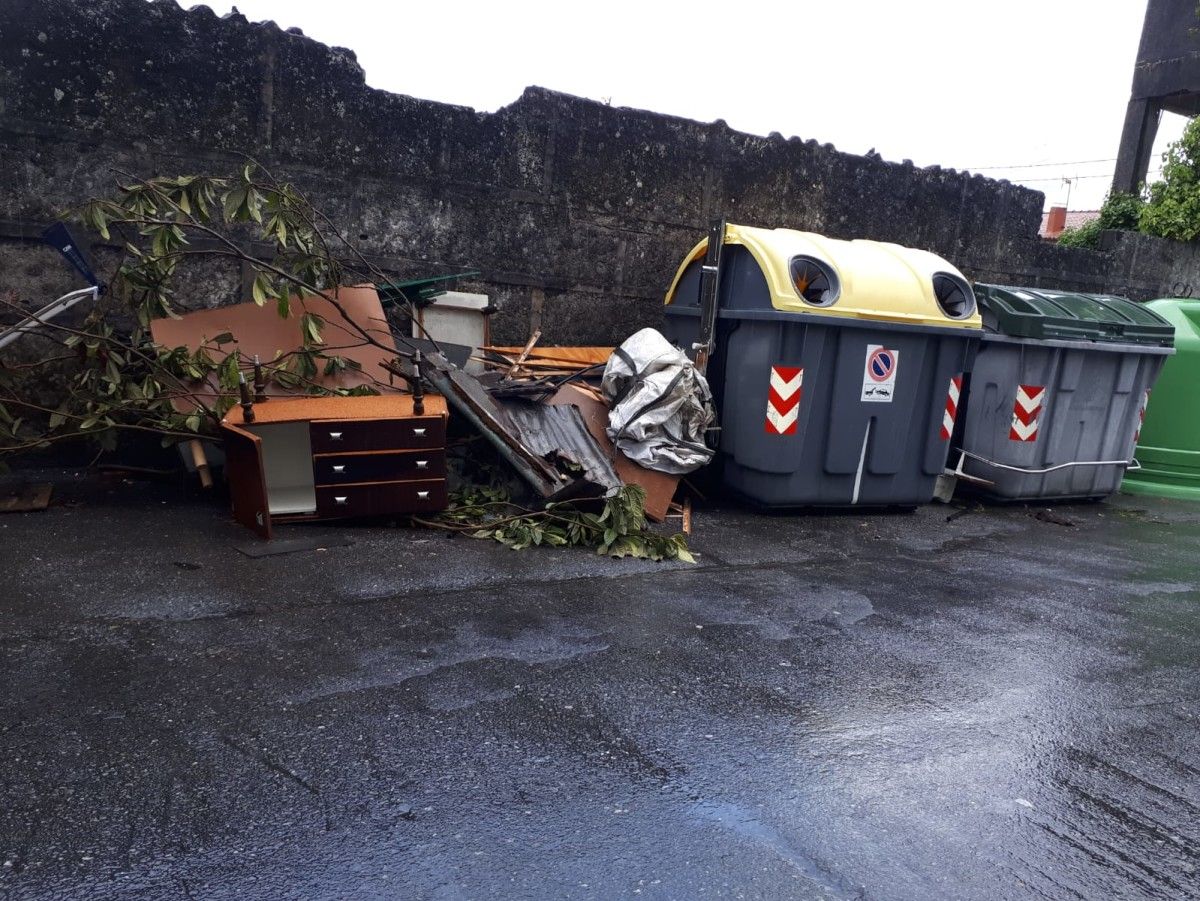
(328, 457)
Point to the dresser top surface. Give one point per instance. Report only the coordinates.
(297, 409)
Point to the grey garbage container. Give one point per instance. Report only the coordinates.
(1053, 403)
(833, 365)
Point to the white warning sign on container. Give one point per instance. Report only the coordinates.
(879, 374)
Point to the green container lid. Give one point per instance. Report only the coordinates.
(1039, 313)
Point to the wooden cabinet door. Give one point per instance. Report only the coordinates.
(247, 482)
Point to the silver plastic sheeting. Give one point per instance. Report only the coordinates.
(661, 405)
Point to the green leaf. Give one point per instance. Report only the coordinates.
(284, 306)
(306, 365)
(234, 201)
(261, 289)
(228, 372)
(254, 205)
(223, 338)
(158, 246)
(310, 328)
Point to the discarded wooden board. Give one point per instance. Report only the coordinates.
(533, 339)
(659, 486)
(573, 357)
(682, 512)
(25, 498)
(261, 330)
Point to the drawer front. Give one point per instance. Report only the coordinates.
(386, 467)
(332, 436)
(383, 498)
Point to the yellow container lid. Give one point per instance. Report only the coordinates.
(870, 279)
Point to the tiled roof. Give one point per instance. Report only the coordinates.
(1075, 218)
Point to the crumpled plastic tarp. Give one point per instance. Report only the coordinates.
(661, 405)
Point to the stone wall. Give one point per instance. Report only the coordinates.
(575, 213)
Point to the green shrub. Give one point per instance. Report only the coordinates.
(1086, 235)
(1172, 209)
(1119, 211)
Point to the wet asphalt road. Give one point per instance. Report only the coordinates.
(884, 707)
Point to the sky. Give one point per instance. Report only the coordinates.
(1033, 91)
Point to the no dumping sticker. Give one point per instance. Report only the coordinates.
(879, 374)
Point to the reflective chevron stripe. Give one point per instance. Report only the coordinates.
(1026, 409)
(1137, 434)
(783, 399)
(951, 411)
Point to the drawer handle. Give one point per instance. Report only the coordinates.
(340, 469)
(423, 495)
(420, 433)
(341, 501)
(422, 464)
(335, 436)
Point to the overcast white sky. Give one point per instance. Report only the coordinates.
(1029, 90)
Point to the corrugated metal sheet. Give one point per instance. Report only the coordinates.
(559, 430)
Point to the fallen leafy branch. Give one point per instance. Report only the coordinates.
(619, 530)
(107, 374)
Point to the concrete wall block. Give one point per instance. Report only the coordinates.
(591, 318)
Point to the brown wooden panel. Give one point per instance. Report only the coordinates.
(382, 498)
(383, 466)
(260, 330)
(247, 486)
(331, 436)
(659, 486)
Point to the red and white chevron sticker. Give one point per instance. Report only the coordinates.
(783, 400)
(951, 412)
(1137, 434)
(1026, 409)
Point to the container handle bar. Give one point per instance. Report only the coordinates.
(1130, 465)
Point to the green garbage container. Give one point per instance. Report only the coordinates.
(1056, 394)
(1168, 446)
(833, 367)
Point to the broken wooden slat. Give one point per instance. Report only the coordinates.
(26, 498)
(533, 339)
